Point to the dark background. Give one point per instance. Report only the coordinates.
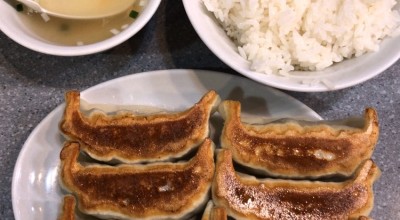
(33, 84)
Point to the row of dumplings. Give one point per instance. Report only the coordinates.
(147, 184)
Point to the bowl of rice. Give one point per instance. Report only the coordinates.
(72, 37)
(306, 46)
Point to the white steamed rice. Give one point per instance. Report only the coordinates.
(278, 36)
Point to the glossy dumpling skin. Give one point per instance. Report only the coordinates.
(131, 138)
(299, 149)
(68, 208)
(246, 197)
(212, 212)
(152, 191)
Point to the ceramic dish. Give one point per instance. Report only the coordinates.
(341, 75)
(35, 190)
(12, 25)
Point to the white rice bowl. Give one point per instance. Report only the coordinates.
(294, 46)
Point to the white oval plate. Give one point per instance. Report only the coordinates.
(36, 194)
(341, 75)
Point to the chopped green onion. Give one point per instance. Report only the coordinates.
(64, 27)
(133, 14)
(19, 7)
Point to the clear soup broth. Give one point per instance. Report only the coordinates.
(80, 32)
